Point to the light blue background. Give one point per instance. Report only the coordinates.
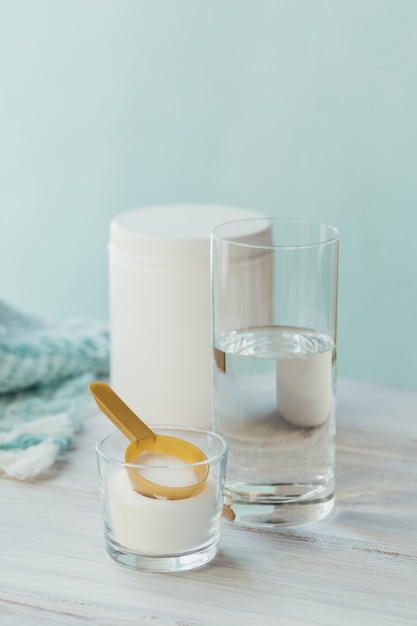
(293, 107)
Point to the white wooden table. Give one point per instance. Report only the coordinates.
(357, 567)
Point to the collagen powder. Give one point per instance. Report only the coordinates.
(158, 527)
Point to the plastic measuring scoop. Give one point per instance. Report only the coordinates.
(143, 439)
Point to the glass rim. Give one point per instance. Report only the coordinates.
(122, 463)
(334, 233)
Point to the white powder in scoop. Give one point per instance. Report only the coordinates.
(157, 527)
(163, 476)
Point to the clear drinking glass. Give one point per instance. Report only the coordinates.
(274, 296)
(157, 534)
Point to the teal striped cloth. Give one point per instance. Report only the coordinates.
(45, 368)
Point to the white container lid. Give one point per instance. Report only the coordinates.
(175, 234)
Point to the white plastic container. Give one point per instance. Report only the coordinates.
(160, 310)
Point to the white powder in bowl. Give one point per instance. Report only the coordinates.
(157, 527)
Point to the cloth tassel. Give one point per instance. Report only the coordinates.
(31, 462)
(45, 368)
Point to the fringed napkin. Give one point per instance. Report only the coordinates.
(45, 368)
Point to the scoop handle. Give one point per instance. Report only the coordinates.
(119, 413)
